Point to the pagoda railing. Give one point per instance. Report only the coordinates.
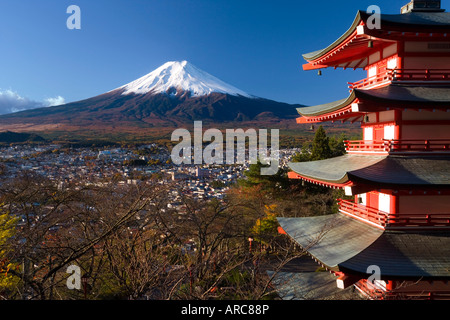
(365, 145)
(371, 81)
(420, 74)
(394, 75)
(395, 145)
(366, 213)
(406, 292)
(390, 220)
(420, 219)
(418, 145)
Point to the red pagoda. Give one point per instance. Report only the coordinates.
(396, 228)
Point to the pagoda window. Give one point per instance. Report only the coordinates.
(372, 71)
(389, 132)
(384, 202)
(380, 132)
(368, 133)
(392, 63)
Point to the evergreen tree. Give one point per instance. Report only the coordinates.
(271, 183)
(337, 145)
(321, 145)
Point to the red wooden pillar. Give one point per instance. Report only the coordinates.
(393, 207)
(401, 53)
(398, 122)
(389, 285)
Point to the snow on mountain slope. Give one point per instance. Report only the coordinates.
(182, 76)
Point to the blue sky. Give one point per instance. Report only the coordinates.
(255, 45)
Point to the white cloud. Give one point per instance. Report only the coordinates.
(50, 102)
(11, 101)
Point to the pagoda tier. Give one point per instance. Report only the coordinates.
(387, 98)
(380, 172)
(347, 245)
(396, 215)
(390, 192)
(412, 264)
(400, 36)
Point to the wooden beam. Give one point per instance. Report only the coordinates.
(309, 66)
(359, 63)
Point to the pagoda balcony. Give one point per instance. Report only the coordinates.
(386, 220)
(428, 76)
(364, 213)
(399, 146)
(366, 146)
(370, 82)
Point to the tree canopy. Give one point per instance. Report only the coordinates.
(322, 147)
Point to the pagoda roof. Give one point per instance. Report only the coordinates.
(413, 20)
(410, 95)
(393, 27)
(407, 171)
(407, 254)
(334, 170)
(388, 171)
(308, 286)
(326, 107)
(345, 244)
(331, 239)
(392, 96)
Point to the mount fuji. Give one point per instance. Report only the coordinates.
(182, 77)
(174, 94)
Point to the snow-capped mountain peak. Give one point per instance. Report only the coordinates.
(182, 76)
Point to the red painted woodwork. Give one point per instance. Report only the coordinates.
(294, 175)
(362, 212)
(385, 220)
(394, 145)
(378, 79)
(406, 45)
(387, 76)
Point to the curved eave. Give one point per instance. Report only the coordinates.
(345, 244)
(333, 171)
(405, 95)
(403, 254)
(312, 56)
(378, 171)
(340, 109)
(351, 49)
(414, 21)
(388, 97)
(331, 239)
(406, 172)
(331, 184)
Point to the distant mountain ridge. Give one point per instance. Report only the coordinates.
(11, 137)
(173, 94)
